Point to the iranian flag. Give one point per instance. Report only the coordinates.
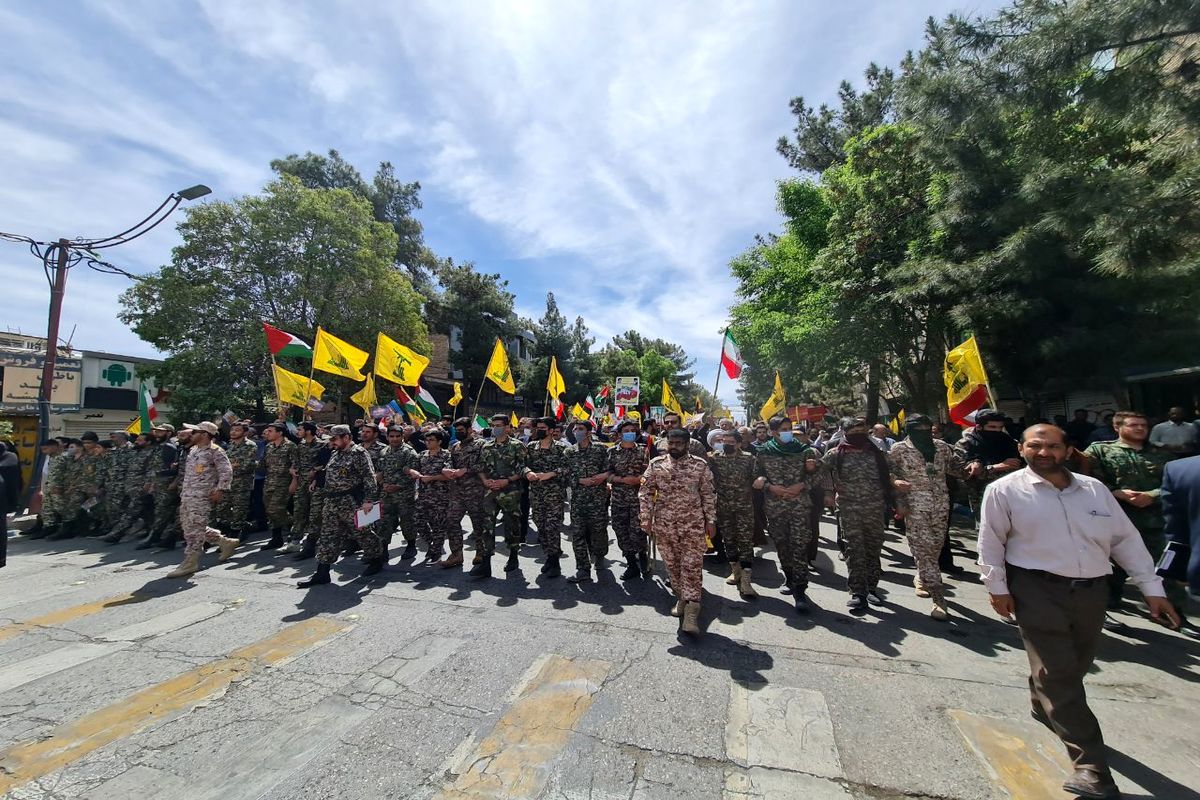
(409, 406)
(604, 392)
(147, 413)
(556, 406)
(427, 403)
(590, 405)
(282, 343)
(731, 356)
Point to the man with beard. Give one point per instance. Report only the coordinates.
(306, 455)
(587, 462)
(231, 512)
(1045, 541)
(204, 480)
(784, 469)
(160, 472)
(679, 509)
(135, 476)
(545, 466)
(989, 454)
(279, 460)
(856, 475)
(398, 495)
(502, 465)
(466, 490)
(733, 472)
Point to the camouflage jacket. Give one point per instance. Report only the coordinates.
(137, 471)
(243, 460)
(927, 479)
(857, 478)
(584, 463)
(206, 469)
(1119, 466)
(787, 469)
(436, 492)
(505, 460)
(677, 493)
(626, 462)
(351, 473)
(467, 455)
(392, 468)
(732, 475)
(547, 459)
(374, 450)
(279, 460)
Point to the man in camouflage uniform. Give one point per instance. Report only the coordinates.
(466, 493)
(545, 466)
(856, 475)
(86, 498)
(785, 468)
(369, 442)
(678, 508)
(587, 468)
(989, 453)
(502, 463)
(306, 454)
(316, 509)
(116, 497)
(61, 477)
(183, 444)
(231, 512)
(398, 494)
(626, 464)
(431, 477)
(350, 485)
(136, 509)
(160, 473)
(52, 498)
(279, 460)
(1132, 469)
(733, 473)
(204, 477)
(919, 468)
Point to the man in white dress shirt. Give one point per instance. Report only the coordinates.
(1046, 536)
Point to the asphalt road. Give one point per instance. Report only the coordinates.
(118, 683)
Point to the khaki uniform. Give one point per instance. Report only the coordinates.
(677, 501)
(205, 470)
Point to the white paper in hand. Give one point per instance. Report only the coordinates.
(364, 518)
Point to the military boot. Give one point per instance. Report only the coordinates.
(190, 565)
(745, 587)
(483, 569)
(319, 578)
(374, 567)
(632, 570)
(276, 540)
(410, 552)
(551, 569)
(691, 619)
(735, 574)
(644, 563)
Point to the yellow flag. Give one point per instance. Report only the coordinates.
(295, 389)
(498, 371)
(776, 403)
(897, 423)
(963, 372)
(454, 401)
(135, 427)
(668, 400)
(516, 423)
(555, 384)
(331, 354)
(396, 363)
(364, 398)
(578, 412)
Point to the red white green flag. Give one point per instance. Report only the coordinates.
(282, 343)
(731, 356)
(147, 413)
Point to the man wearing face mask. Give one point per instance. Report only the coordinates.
(989, 452)
(920, 466)
(626, 463)
(502, 464)
(466, 492)
(587, 462)
(545, 466)
(784, 469)
(856, 474)
(733, 472)
(678, 508)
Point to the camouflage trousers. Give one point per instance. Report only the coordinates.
(316, 515)
(862, 530)
(275, 502)
(194, 513)
(508, 501)
(135, 509)
(399, 510)
(337, 526)
(166, 508)
(53, 504)
(230, 514)
(735, 526)
(431, 521)
(631, 540)
(114, 505)
(466, 499)
(682, 551)
(589, 536)
(301, 514)
(925, 528)
(546, 508)
(789, 527)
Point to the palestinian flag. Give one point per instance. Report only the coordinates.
(731, 356)
(427, 403)
(147, 413)
(604, 392)
(282, 343)
(479, 424)
(409, 406)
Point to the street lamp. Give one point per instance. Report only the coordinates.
(57, 258)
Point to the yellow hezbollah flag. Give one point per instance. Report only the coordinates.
(516, 423)
(454, 401)
(498, 371)
(966, 380)
(668, 400)
(364, 398)
(555, 384)
(135, 427)
(897, 423)
(331, 354)
(775, 403)
(578, 413)
(296, 389)
(396, 363)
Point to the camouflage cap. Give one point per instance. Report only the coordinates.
(339, 430)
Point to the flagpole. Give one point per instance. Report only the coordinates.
(275, 380)
(311, 368)
(478, 395)
(717, 384)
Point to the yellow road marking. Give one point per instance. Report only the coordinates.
(1023, 757)
(74, 740)
(64, 615)
(514, 760)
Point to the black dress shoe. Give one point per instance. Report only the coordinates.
(1090, 784)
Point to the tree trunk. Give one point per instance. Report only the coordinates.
(872, 391)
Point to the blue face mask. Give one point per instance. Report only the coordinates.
(628, 436)
(785, 437)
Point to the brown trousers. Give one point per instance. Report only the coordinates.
(1061, 626)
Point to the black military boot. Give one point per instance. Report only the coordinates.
(168, 541)
(38, 527)
(551, 569)
(483, 569)
(582, 575)
(66, 530)
(800, 598)
(644, 563)
(151, 540)
(632, 570)
(45, 532)
(276, 540)
(308, 550)
(513, 556)
(410, 552)
(320, 577)
(374, 567)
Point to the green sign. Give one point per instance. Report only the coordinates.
(117, 374)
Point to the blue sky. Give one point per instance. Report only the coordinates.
(605, 151)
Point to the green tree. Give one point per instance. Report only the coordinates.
(292, 256)
(584, 363)
(552, 339)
